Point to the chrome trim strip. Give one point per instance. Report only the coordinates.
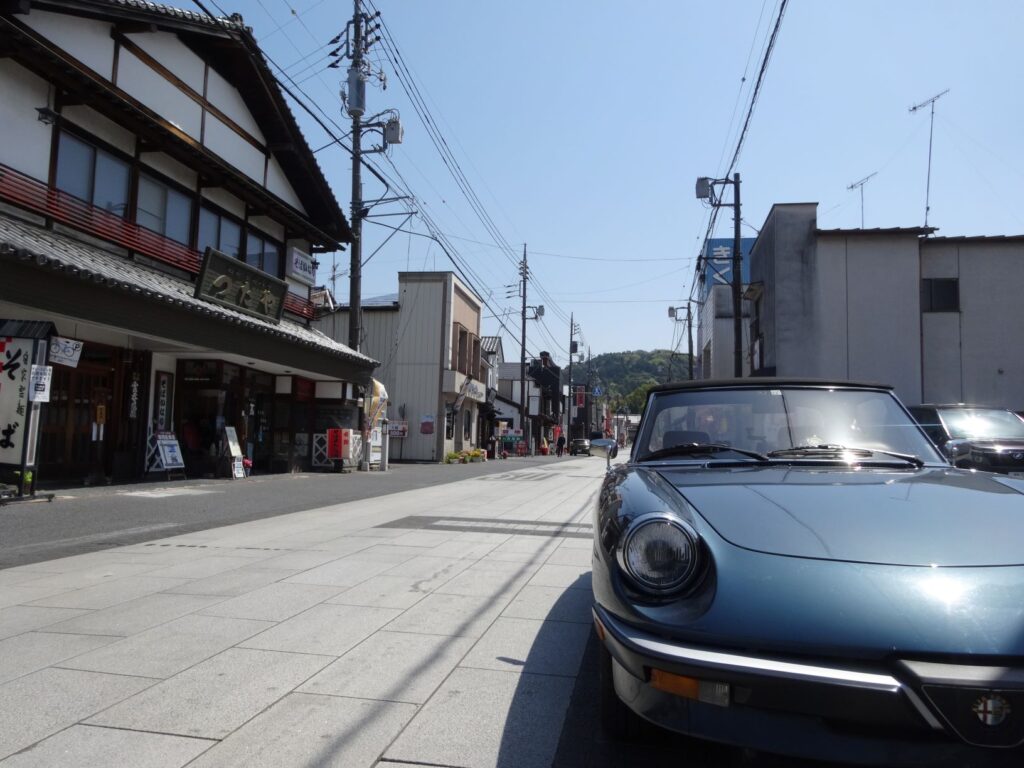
(645, 643)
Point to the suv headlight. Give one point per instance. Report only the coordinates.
(660, 553)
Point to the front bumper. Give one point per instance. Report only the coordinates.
(803, 710)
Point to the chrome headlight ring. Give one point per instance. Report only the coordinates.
(660, 554)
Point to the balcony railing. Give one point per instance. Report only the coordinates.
(25, 192)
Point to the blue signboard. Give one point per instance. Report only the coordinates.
(716, 263)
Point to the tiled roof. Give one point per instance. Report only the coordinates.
(51, 250)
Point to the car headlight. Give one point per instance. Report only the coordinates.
(660, 554)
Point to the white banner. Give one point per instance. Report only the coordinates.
(39, 391)
(15, 366)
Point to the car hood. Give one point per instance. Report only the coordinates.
(935, 516)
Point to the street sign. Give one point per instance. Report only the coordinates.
(598, 391)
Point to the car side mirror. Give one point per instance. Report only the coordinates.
(605, 447)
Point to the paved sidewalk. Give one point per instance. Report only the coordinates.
(443, 626)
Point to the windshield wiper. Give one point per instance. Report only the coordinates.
(830, 449)
(690, 449)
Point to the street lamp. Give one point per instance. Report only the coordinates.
(706, 191)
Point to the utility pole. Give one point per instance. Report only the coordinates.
(572, 395)
(689, 343)
(737, 282)
(706, 190)
(524, 272)
(931, 130)
(356, 108)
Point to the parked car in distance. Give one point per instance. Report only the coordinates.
(791, 566)
(976, 437)
(579, 445)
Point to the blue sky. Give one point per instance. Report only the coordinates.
(582, 125)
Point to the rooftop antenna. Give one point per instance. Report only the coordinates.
(861, 184)
(931, 129)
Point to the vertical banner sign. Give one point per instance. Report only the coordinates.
(162, 400)
(15, 365)
(580, 397)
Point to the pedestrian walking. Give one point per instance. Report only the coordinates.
(560, 445)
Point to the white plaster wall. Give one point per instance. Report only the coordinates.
(26, 144)
(171, 168)
(940, 358)
(166, 48)
(269, 227)
(992, 322)
(225, 97)
(140, 81)
(884, 309)
(225, 200)
(278, 184)
(827, 342)
(232, 148)
(101, 127)
(86, 40)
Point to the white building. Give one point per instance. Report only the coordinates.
(427, 338)
(929, 315)
(160, 206)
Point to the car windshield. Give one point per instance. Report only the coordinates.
(965, 423)
(774, 419)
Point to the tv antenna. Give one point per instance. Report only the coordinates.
(931, 129)
(860, 184)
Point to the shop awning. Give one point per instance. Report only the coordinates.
(55, 272)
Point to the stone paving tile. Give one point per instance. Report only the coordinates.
(482, 582)
(85, 746)
(422, 539)
(392, 666)
(346, 544)
(86, 574)
(551, 603)
(431, 572)
(231, 583)
(21, 594)
(201, 567)
(324, 629)
(32, 651)
(345, 572)
(169, 648)
(527, 645)
(38, 705)
(571, 556)
(135, 616)
(16, 619)
(110, 593)
(487, 719)
(213, 698)
(307, 730)
(9, 577)
(298, 561)
(274, 602)
(384, 591)
(573, 576)
(438, 614)
(467, 549)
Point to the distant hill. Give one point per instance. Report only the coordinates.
(626, 376)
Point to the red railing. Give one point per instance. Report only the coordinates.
(24, 191)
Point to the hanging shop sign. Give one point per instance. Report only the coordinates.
(299, 266)
(236, 285)
(15, 365)
(65, 351)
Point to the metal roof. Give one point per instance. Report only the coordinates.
(879, 231)
(977, 238)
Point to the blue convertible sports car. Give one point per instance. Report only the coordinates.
(791, 566)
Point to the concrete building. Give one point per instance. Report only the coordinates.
(161, 208)
(427, 338)
(929, 315)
